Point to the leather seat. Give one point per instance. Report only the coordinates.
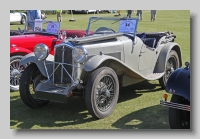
(149, 42)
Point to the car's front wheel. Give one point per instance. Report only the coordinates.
(179, 119)
(29, 80)
(15, 72)
(23, 20)
(171, 65)
(102, 92)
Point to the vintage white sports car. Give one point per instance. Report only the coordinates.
(94, 66)
(17, 17)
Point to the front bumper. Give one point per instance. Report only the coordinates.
(48, 91)
(175, 105)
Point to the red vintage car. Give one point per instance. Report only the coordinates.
(23, 42)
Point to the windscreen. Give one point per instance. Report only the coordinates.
(124, 25)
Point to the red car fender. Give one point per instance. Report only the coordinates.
(19, 50)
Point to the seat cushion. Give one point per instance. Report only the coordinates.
(141, 35)
(149, 42)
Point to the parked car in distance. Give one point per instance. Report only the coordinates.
(23, 42)
(85, 11)
(178, 85)
(108, 11)
(94, 66)
(17, 17)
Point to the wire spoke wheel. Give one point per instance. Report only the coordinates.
(104, 93)
(171, 65)
(15, 72)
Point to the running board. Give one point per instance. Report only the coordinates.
(154, 76)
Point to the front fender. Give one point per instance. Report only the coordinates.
(30, 58)
(118, 66)
(178, 83)
(19, 50)
(23, 14)
(162, 58)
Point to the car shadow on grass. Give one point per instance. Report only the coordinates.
(154, 117)
(57, 114)
(54, 114)
(129, 92)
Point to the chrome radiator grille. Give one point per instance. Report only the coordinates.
(63, 54)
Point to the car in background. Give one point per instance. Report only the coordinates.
(93, 67)
(178, 85)
(22, 42)
(107, 11)
(17, 17)
(85, 11)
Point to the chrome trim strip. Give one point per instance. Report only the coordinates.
(46, 69)
(175, 105)
(63, 45)
(71, 77)
(54, 69)
(72, 80)
(68, 73)
(64, 64)
(63, 54)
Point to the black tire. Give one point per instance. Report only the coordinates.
(172, 63)
(30, 73)
(179, 119)
(23, 20)
(15, 70)
(107, 94)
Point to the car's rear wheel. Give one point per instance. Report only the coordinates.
(29, 80)
(15, 72)
(179, 119)
(102, 92)
(171, 65)
(23, 20)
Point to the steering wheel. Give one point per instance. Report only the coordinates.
(104, 30)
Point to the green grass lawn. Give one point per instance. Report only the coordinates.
(138, 105)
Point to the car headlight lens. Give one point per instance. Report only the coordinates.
(79, 54)
(41, 51)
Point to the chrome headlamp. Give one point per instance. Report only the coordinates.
(41, 51)
(79, 54)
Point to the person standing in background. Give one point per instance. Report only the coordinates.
(32, 15)
(118, 12)
(139, 14)
(59, 15)
(153, 15)
(129, 13)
